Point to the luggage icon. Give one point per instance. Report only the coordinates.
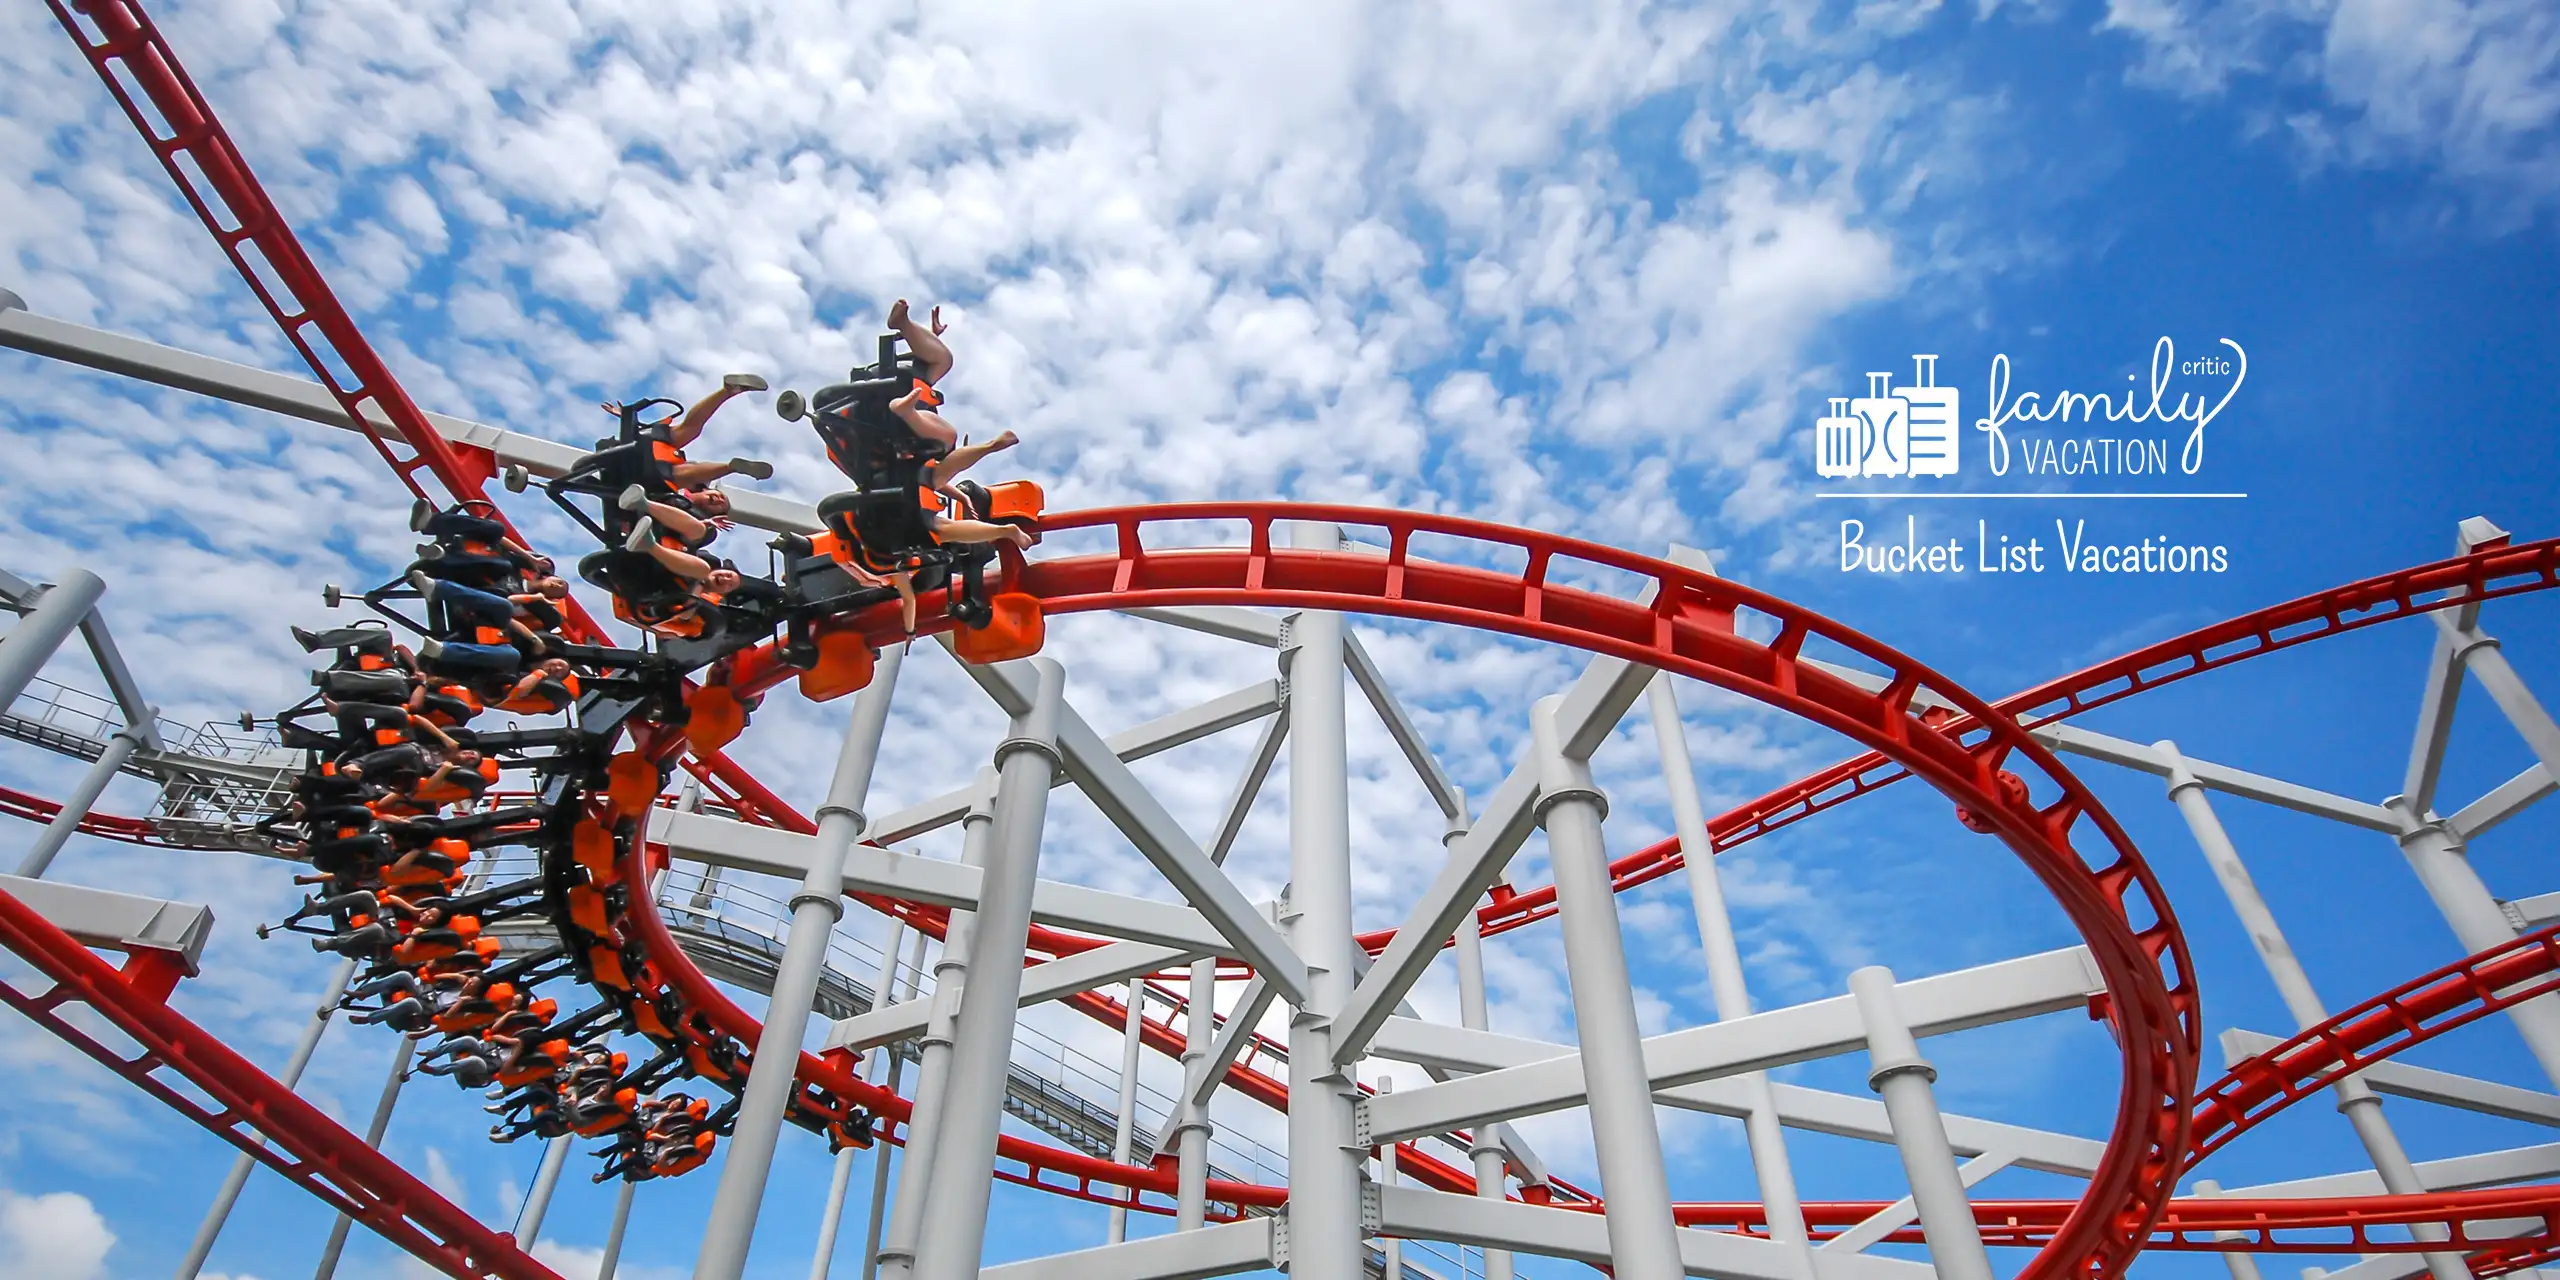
(1884, 429)
(1933, 419)
(1835, 442)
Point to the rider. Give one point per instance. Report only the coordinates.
(682, 432)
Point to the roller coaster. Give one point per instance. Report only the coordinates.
(583, 857)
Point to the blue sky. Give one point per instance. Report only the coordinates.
(1591, 270)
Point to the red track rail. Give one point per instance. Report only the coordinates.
(315, 1152)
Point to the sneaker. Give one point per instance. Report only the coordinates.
(743, 382)
(642, 534)
(420, 512)
(633, 498)
(426, 586)
(431, 650)
(752, 468)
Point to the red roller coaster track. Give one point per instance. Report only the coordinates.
(1690, 628)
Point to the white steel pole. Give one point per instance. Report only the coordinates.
(933, 1069)
(815, 909)
(832, 1220)
(2437, 855)
(888, 1077)
(1027, 766)
(2356, 1100)
(57, 611)
(1898, 1072)
(1485, 1149)
(1723, 953)
(2242, 1266)
(290, 1076)
(373, 1131)
(1325, 1228)
(613, 1235)
(1643, 1237)
(1390, 1248)
(537, 1203)
(1132, 1039)
(1191, 1134)
(75, 806)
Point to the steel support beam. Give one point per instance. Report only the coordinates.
(1203, 1072)
(815, 909)
(1041, 983)
(886, 1075)
(2293, 984)
(2461, 1173)
(831, 1217)
(373, 1131)
(612, 1259)
(2223, 778)
(214, 1218)
(54, 614)
(1027, 764)
(1584, 1237)
(2505, 801)
(75, 806)
(725, 842)
(1125, 1123)
(1325, 1178)
(1133, 809)
(1185, 1255)
(1643, 1237)
(2423, 1084)
(1190, 1118)
(896, 1259)
(1244, 706)
(2444, 868)
(1592, 707)
(1484, 1148)
(2048, 983)
(118, 921)
(537, 1202)
(1905, 1080)
(1770, 1164)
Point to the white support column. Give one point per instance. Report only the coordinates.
(1132, 1039)
(2356, 1100)
(75, 806)
(1027, 766)
(537, 1202)
(1325, 1227)
(223, 1199)
(1485, 1145)
(1390, 1248)
(886, 1075)
(1769, 1160)
(373, 1131)
(2242, 1266)
(1643, 1239)
(2437, 855)
(55, 613)
(1191, 1118)
(831, 1220)
(897, 1255)
(815, 909)
(612, 1260)
(1898, 1072)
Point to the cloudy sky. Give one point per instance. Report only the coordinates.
(1595, 269)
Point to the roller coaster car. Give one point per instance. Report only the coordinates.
(636, 454)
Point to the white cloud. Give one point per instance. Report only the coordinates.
(53, 1236)
(2469, 89)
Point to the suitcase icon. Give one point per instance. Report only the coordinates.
(1933, 419)
(1835, 442)
(1884, 425)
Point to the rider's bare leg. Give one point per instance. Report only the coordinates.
(933, 359)
(949, 530)
(923, 421)
(966, 456)
(689, 427)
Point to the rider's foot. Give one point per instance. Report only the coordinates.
(752, 468)
(642, 534)
(633, 498)
(420, 512)
(1005, 441)
(898, 315)
(742, 382)
(426, 586)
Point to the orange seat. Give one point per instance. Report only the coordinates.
(1017, 630)
(844, 665)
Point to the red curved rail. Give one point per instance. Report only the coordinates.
(316, 1153)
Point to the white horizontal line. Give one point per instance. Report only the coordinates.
(2063, 496)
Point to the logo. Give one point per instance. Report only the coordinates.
(1909, 430)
